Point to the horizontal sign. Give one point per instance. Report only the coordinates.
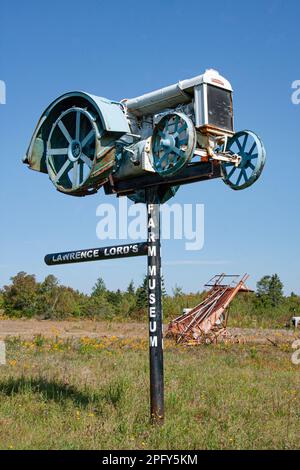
(96, 254)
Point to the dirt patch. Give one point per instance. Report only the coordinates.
(72, 328)
(264, 335)
(97, 329)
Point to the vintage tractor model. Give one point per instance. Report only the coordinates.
(172, 136)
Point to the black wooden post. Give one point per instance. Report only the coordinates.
(155, 310)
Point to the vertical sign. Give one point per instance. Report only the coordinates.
(155, 314)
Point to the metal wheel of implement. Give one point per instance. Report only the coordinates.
(250, 148)
(173, 143)
(72, 149)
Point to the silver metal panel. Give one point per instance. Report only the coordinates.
(173, 95)
(114, 119)
(199, 106)
(158, 100)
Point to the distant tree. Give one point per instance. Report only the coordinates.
(99, 288)
(20, 297)
(114, 298)
(98, 307)
(68, 302)
(262, 286)
(270, 290)
(48, 296)
(177, 291)
(1, 302)
(50, 282)
(130, 288)
(276, 290)
(294, 304)
(142, 294)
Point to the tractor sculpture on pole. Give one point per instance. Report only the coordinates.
(176, 135)
(144, 148)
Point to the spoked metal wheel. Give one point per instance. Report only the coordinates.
(250, 148)
(173, 143)
(71, 149)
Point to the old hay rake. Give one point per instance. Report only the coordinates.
(207, 322)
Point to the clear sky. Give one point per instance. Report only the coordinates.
(122, 49)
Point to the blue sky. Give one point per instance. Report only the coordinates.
(122, 49)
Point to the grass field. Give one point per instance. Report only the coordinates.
(93, 394)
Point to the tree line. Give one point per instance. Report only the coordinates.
(26, 297)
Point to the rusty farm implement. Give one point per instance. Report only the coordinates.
(206, 323)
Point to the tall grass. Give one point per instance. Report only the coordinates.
(217, 397)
